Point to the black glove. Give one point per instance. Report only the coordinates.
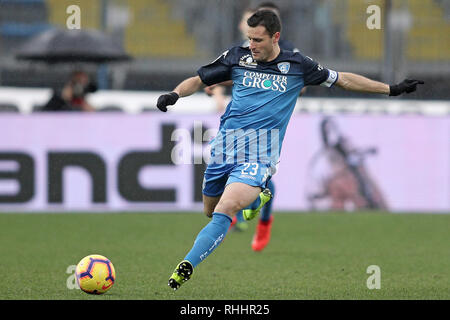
(167, 99)
(407, 86)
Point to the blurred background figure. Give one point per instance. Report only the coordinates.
(243, 26)
(283, 43)
(339, 178)
(217, 92)
(72, 97)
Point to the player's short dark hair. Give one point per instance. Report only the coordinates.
(267, 19)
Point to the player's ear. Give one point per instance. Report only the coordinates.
(276, 37)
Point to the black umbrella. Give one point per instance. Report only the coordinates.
(63, 45)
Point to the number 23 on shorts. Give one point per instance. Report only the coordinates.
(250, 168)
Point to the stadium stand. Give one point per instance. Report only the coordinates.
(91, 17)
(430, 40)
(20, 20)
(163, 36)
(366, 45)
(170, 39)
(426, 40)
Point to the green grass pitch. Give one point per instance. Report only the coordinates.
(311, 256)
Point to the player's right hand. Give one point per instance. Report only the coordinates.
(167, 99)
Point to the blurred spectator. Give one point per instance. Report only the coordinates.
(243, 26)
(283, 43)
(340, 179)
(72, 97)
(218, 91)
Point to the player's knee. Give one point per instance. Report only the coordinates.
(229, 206)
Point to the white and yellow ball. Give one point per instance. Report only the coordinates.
(95, 274)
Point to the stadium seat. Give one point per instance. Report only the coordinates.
(20, 20)
(366, 44)
(152, 20)
(430, 40)
(91, 13)
(426, 40)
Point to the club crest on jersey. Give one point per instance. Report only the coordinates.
(247, 61)
(284, 67)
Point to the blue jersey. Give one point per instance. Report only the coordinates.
(264, 95)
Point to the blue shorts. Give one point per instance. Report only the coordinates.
(218, 176)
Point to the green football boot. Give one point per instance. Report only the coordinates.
(265, 197)
(181, 274)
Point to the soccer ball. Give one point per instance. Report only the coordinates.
(95, 274)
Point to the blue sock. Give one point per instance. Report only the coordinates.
(266, 211)
(209, 238)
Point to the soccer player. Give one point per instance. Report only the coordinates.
(266, 84)
(263, 229)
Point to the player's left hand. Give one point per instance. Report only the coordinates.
(167, 99)
(406, 85)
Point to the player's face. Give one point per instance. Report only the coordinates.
(262, 45)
